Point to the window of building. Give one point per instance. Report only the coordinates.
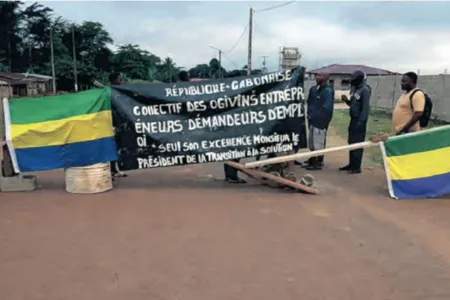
(345, 82)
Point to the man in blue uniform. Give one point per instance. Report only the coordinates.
(360, 94)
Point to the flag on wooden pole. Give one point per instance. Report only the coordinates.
(69, 130)
(417, 165)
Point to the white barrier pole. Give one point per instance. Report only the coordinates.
(340, 148)
(305, 155)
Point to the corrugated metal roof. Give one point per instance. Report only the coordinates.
(22, 78)
(37, 75)
(349, 69)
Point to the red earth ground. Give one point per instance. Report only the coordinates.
(180, 234)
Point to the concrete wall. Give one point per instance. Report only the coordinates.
(386, 90)
(30, 90)
(337, 93)
(340, 82)
(36, 89)
(5, 91)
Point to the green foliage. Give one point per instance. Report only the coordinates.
(26, 34)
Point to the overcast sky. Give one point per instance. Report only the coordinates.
(399, 36)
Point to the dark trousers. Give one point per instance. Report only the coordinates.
(356, 135)
(230, 172)
(112, 166)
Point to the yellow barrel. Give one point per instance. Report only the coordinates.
(89, 180)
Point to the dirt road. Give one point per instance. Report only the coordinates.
(178, 234)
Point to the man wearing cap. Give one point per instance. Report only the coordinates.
(360, 94)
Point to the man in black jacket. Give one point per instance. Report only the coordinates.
(115, 79)
(320, 113)
(359, 113)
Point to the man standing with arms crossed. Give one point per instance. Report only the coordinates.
(359, 101)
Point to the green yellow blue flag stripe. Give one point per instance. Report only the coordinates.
(30, 111)
(417, 164)
(63, 131)
(75, 129)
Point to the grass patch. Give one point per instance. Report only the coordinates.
(379, 122)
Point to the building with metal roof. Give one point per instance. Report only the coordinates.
(340, 74)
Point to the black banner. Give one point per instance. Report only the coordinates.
(160, 125)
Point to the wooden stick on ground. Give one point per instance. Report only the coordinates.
(258, 175)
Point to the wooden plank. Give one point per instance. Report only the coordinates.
(257, 174)
(248, 172)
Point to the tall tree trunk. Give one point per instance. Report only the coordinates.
(8, 36)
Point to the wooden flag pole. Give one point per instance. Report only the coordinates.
(97, 84)
(6, 167)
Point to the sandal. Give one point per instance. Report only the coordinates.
(119, 174)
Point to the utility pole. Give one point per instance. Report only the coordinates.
(52, 60)
(220, 64)
(30, 60)
(75, 76)
(250, 29)
(220, 59)
(264, 69)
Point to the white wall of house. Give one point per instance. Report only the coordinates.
(5, 91)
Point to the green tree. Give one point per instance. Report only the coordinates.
(135, 62)
(200, 71)
(10, 38)
(91, 42)
(168, 70)
(36, 37)
(25, 46)
(215, 70)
